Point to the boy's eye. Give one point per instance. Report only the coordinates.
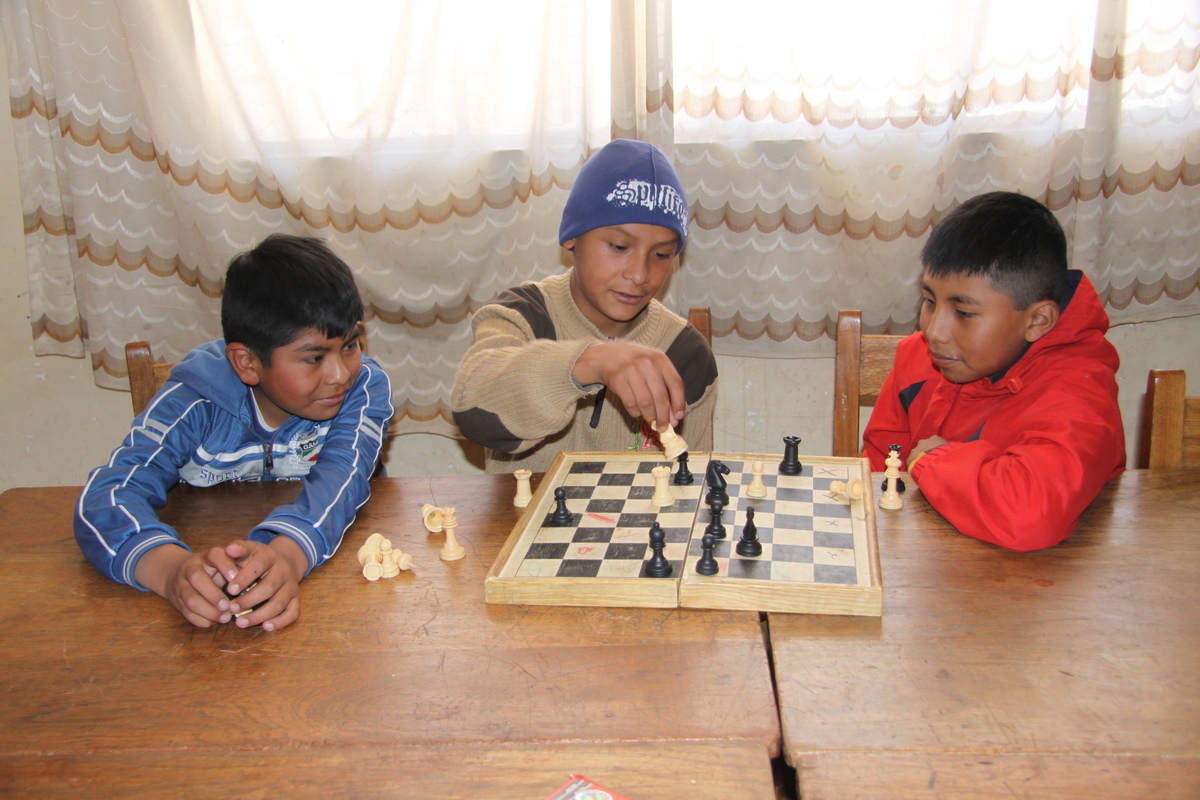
(664, 256)
(350, 347)
(964, 314)
(313, 360)
(620, 248)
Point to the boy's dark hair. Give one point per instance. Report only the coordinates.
(284, 286)
(1011, 239)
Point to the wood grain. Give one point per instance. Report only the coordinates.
(1089, 648)
(95, 668)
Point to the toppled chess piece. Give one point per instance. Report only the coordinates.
(380, 560)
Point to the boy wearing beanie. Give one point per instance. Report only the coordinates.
(589, 360)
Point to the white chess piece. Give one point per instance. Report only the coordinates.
(662, 489)
(673, 444)
(524, 492)
(756, 488)
(451, 550)
(370, 558)
(891, 499)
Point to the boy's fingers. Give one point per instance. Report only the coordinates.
(225, 567)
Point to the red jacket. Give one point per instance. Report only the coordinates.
(1026, 453)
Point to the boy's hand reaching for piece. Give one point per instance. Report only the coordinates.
(643, 379)
(262, 577)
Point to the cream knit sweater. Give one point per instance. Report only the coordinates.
(514, 392)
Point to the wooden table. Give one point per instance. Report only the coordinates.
(1072, 672)
(407, 687)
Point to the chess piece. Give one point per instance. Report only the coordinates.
(715, 529)
(561, 518)
(714, 476)
(524, 493)
(451, 550)
(431, 515)
(791, 456)
(658, 566)
(387, 560)
(848, 491)
(749, 545)
(756, 488)
(707, 565)
(662, 490)
(891, 499)
(402, 560)
(673, 444)
(684, 476)
(369, 557)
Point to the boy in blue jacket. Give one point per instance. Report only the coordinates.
(286, 395)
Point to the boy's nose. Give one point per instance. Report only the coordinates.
(637, 271)
(935, 328)
(336, 369)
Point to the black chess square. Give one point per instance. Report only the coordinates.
(636, 520)
(752, 568)
(579, 568)
(592, 535)
(626, 550)
(587, 467)
(616, 479)
(835, 573)
(600, 506)
(794, 495)
(547, 550)
(840, 541)
(801, 554)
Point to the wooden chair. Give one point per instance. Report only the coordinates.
(146, 376)
(1170, 423)
(701, 319)
(859, 369)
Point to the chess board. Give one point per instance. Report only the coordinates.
(820, 552)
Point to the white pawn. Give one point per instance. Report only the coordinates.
(387, 559)
(673, 444)
(849, 491)
(451, 550)
(662, 489)
(756, 488)
(891, 499)
(524, 493)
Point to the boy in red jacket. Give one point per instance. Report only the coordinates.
(1005, 403)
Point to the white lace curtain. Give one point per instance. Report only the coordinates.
(433, 143)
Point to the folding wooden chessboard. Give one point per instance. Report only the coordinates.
(820, 551)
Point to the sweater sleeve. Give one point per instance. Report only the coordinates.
(339, 482)
(116, 520)
(888, 424)
(1029, 495)
(513, 390)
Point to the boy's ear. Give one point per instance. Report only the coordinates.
(569, 244)
(244, 363)
(1040, 319)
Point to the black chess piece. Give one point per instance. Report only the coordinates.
(715, 528)
(707, 565)
(714, 476)
(791, 456)
(658, 566)
(749, 545)
(684, 476)
(561, 518)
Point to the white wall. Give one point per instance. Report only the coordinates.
(58, 424)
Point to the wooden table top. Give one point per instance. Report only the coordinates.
(1071, 672)
(98, 674)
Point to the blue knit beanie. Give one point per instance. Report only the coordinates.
(626, 181)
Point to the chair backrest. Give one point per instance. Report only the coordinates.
(701, 319)
(145, 376)
(859, 369)
(1170, 423)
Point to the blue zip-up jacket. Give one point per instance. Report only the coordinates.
(201, 428)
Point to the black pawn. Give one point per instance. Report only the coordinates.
(715, 529)
(707, 565)
(791, 456)
(561, 518)
(749, 545)
(658, 566)
(684, 476)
